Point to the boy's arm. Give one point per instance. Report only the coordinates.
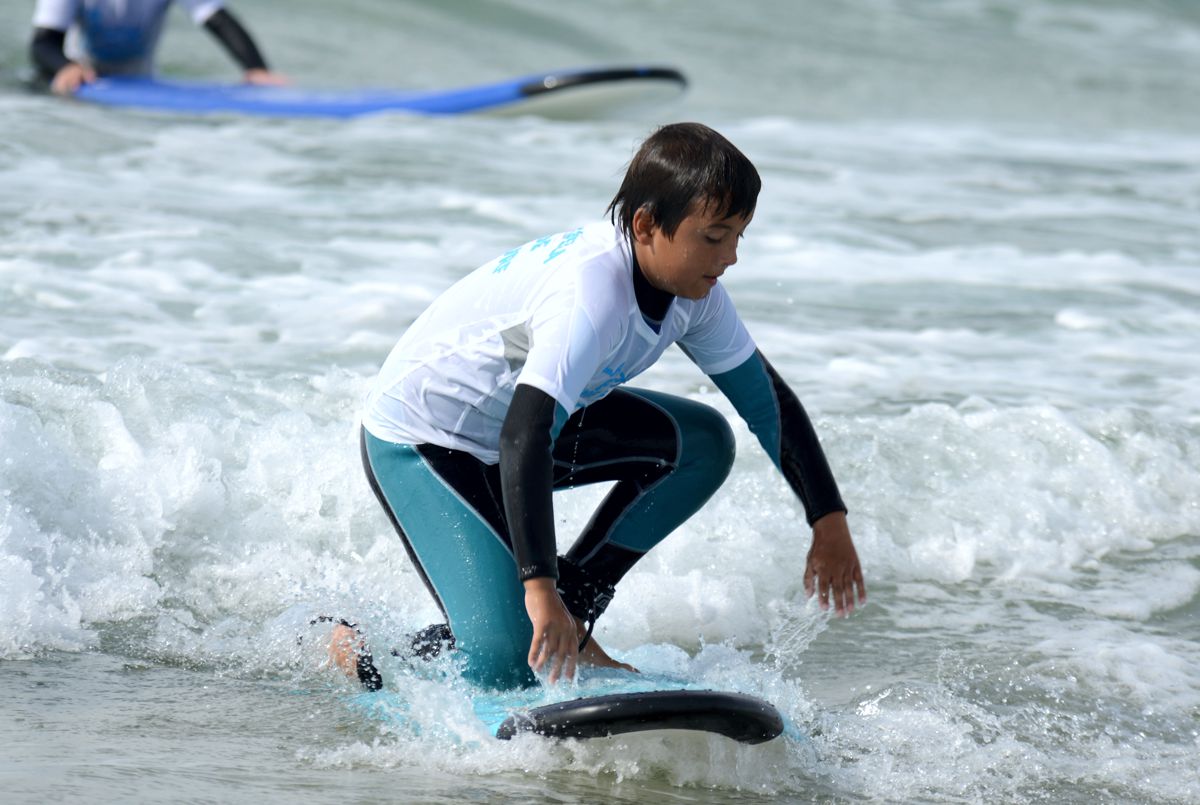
(526, 475)
(527, 481)
(48, 56)
(776, 417)
(237, 40)
(47, 52)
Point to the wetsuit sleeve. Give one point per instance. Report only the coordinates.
(783, 428)
(56, 15)
(527, 479)
(236, 39)
(46, 51)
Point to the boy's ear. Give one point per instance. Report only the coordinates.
(643, 225)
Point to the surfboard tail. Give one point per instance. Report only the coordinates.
(743, 718)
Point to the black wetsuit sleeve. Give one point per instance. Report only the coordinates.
(775, 415)
(527, 480)
(47, 53)
(236, 39)
(801, 457)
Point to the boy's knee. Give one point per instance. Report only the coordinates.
(710, 443)
(724, 444)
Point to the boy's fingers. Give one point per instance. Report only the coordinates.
(537, 652)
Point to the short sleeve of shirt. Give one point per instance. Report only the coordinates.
(59, 15)
(567, 348)
(56, 15)
(716, 339)
(201, 10)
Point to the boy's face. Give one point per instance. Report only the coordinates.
(689, 263)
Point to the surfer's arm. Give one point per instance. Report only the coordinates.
(237, 40)
(527, 480)
(776, 417)
(48, 55)
(526, 473)
(47, 51)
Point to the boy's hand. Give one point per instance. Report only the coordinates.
(554, 639)
(833, 569)
(265, 78)
(71, 77)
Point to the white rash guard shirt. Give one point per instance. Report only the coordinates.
(559, 314)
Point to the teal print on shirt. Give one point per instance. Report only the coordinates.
(505, 260)
(615, 377)
(566, 241)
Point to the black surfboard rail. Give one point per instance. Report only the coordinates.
(553, 82)
(735, 715)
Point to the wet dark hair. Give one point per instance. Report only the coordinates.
(680, 168)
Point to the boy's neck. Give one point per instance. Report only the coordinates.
(653, 303)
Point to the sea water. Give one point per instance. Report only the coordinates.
(976, 259)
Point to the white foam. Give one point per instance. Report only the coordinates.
(994, 334)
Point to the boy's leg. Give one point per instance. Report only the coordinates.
(443, 506)
(668, 456)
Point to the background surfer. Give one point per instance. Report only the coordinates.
(512, 384)
(120, 37)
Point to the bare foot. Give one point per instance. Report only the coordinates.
(345, 645)
(596, 656)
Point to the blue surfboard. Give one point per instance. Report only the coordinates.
(568, 93)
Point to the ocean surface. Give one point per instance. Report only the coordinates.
(976, 258)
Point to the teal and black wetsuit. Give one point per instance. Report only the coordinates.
(667, 454)
(476, 528)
